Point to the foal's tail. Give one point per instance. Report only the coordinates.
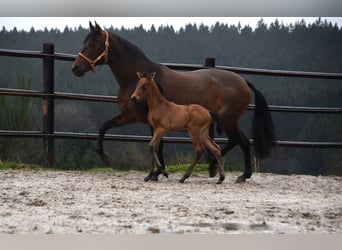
(263, 127)
(219, 127)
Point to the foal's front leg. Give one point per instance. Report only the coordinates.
(154, 146)
(155, 176)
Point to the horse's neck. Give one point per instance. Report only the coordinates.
(125, 60)
(155, 99)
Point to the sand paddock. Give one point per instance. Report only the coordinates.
(59, 202)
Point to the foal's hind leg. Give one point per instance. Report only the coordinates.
(199, 149)
(212, 169)
(215, 149)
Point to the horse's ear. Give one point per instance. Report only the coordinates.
(91, 27)
(152, 75)
(140, 75)
(97, 27)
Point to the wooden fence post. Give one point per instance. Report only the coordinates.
(209, 62)
(48, 104)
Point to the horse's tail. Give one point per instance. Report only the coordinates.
(263, 127)
(219, 127)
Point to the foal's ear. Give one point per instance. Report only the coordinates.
(152, 75)
(140, 75)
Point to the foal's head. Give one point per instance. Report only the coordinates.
(143, 85)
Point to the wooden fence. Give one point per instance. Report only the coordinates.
(48, 94)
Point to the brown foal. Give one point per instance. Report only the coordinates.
(164, 116)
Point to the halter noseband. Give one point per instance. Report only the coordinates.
(103, 54)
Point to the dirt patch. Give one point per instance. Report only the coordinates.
(78, 202)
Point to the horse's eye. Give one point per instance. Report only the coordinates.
(144, 86)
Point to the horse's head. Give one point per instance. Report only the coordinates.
(143, 85)
(94, 51)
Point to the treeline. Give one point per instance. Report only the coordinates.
(299, 46)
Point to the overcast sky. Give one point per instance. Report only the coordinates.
(39, 23)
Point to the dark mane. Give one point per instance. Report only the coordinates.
(131, 48)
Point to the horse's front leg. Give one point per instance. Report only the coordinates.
(117, 121)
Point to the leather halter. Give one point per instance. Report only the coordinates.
(103, 54)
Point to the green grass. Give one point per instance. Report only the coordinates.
(179, 168)
(19, 166)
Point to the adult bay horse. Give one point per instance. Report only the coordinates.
(223, 92)
(165, 116)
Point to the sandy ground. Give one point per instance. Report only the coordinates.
(47, 202)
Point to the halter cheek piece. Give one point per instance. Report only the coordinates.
(104, 54)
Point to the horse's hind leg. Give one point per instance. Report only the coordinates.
(246, 149)
(232, 142)
(238, 137)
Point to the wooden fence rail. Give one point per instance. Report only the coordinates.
(49, 95)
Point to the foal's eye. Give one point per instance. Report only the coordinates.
(144, 86)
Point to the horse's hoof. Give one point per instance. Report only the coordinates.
(220, 180)
(240, 179)
(166, 174)
(213, 170)
(181, 180)
(147, 178)
(154, 178)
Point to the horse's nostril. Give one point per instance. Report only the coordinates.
(133, 98)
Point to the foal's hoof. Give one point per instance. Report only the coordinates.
(147, 178)
(182, 180)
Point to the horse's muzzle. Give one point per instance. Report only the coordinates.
(134, 98)
(77, 71)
